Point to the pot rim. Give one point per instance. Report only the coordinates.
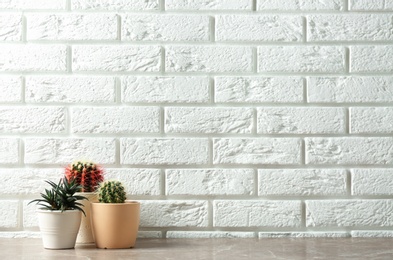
(69, 211)
(125, 203)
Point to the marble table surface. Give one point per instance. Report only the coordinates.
(226, 249)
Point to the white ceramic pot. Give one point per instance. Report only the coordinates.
(85, 235)
(59, 229)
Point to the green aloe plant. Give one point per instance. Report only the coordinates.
(61, 196)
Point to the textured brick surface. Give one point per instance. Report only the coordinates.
(372, 181)
(256, 151)
(114, 5)
(116, 58)
(208, 59)
(160, 151)
(206, 234)
(371, 58)
(374, 5)
(36, 4)
(258, 89)
(301, 59)
(350, 89)
(208, 120)
(303, 182)
(9, 150)
(64, 151)
(10, 89)
(371, 120)
(137, 181)
(353, 150)
(259, 28)
(165, 89)
(173, 213)
(10, 27)
(254, 213)
(33, 58)
(210, 182)
(165, 28)
(359, 27)
(71, 26)
(76, 89)
(208, 5)
(32, 120)
(301, 5)
(310, 120)
(115, 120)
(9, 210)
(349, 213)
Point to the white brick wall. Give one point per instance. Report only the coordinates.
(225, 118)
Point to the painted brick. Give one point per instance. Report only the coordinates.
(28, 181)
(301, 59)
(115, 5)
(33, 57)
(350, 150)
(149, 234)
(258, 89)
(350, 89)
(9, 150)
(303, 234)
(208, 120)
(9, 211)
(97, 120)
(208, 59)
(32, 120)
(372, 233)
(256, 213)
(21, 234)
(75, 89)
(36, 4)
(371, 58)
(10, 27)
(116, 58)
(256, 151)
(207, 234)
(208, 5)
(30, 217)
(10, 89)
(137, 181)
(63, 151)
(280, 28)
(372, 181)
(301, 5)
(371, 5)
(42, 26)
(210, 182)
(165, 89)
(349, 213)
(302, 182)
(351, 27)
(300, 120)
(165, 27)
(174, 213)
(371, 119)
(161, 151)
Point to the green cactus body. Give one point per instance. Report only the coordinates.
(111, 192)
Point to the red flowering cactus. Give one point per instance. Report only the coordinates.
(86, 174)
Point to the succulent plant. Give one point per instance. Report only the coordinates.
(61, 196)
(111, 192)
(87, 174)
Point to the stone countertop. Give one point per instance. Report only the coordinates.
(226, 249)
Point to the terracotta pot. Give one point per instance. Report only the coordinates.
(59, 229)
(85, 235)
(115, 225)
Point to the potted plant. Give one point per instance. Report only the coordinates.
(88, 175)
(60, 216)
(115, 221)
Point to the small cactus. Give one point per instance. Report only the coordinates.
(111, 192)
(86, 174)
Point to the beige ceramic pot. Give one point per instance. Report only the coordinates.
(115, 225)
(85, 235)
